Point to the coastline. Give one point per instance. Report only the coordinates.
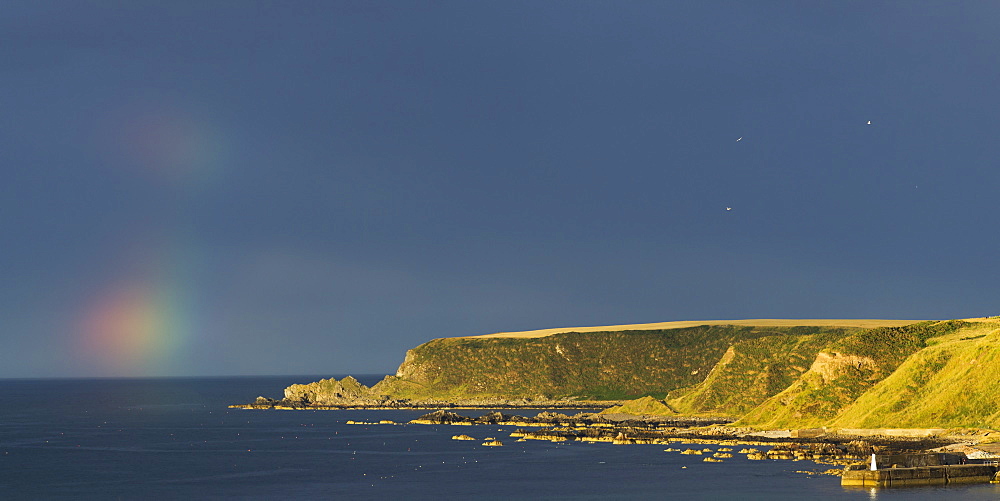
(806, 389)
(622, 429)
(423, 406)
(834, 447)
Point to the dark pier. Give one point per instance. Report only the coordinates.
(920, 469)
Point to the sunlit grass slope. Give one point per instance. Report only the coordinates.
(842, 372)
(953, 382)
(645, 406)
(751, 371)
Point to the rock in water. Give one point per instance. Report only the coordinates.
(440, 417)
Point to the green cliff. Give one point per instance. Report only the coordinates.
(594, 365)
(859, 374)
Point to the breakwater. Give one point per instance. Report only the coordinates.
(920, 475)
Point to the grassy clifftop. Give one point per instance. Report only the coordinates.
(759, 322)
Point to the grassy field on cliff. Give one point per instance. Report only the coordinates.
(682, 324)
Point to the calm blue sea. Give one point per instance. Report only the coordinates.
(175, 438)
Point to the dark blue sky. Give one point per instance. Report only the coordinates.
(315, 187)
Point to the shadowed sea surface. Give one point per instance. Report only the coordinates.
(166, 438)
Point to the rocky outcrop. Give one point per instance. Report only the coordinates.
(332, 392)
(348, 393)
(830, 366)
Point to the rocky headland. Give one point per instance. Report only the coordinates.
(348, 393)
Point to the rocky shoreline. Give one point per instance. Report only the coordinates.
(348, 393)
(402, 404)
(636, 422)
(833, 447)
(579, 420)
(826, 448)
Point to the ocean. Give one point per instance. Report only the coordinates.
(170, 438)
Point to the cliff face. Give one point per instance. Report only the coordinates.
(593, 365)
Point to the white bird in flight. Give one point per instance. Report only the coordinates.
(741, 137)
(729, 208)
(869, 122)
